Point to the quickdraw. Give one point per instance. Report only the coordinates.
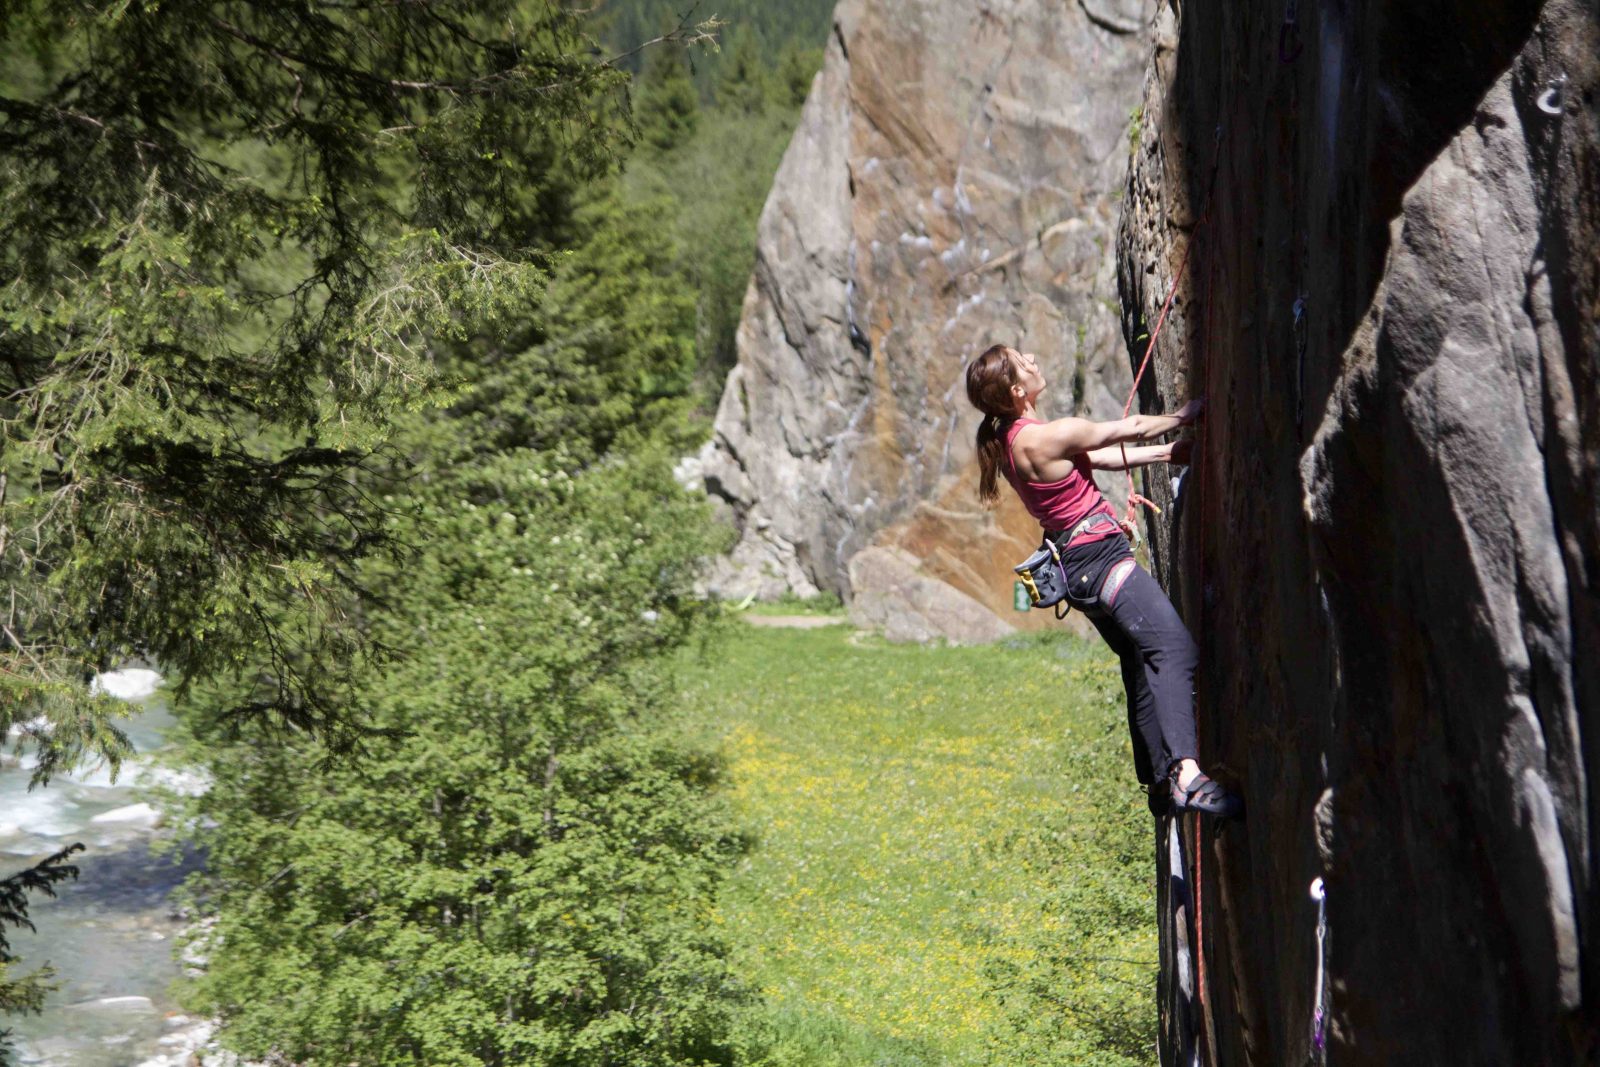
(1319, 1016)
(1300, 364)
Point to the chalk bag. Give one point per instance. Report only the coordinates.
(1044, 576)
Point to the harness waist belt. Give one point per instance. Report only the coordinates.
(1062, 539)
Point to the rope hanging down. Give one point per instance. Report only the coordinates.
(1201, 981)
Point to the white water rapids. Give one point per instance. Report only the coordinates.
(110, 934)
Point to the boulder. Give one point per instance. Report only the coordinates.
(130, 683)
(142, 815)
(952, 183)
(894, 595)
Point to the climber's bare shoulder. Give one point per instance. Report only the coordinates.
(1045, 451)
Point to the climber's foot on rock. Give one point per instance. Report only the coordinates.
(1199, 793)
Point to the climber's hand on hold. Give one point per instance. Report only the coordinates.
(1181, 452)
(1190, 413)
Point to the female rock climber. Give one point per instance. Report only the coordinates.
(1049, 465)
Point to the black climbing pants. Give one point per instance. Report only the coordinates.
(1158, 655)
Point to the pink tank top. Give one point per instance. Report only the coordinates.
(1060, 505)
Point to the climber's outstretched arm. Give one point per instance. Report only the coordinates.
(1111, 459)
(1064, 438)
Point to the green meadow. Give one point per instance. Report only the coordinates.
(951, 859)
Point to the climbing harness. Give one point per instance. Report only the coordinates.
(1319, 1017)
(1047, 585)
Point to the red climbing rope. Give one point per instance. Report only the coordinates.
(1200, 935)
(1134, 497)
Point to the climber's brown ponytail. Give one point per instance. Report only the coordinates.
(989, 381)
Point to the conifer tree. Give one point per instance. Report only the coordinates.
(519, 871)
(668, 109)
(797, 67)
(233, 232)
(236, 235)
(743, 82)
(20, 994)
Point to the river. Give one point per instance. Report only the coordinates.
(110, 934)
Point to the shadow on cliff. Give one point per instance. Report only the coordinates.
(1336, 135)
(1409, 635)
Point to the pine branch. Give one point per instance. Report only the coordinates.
(40, 878)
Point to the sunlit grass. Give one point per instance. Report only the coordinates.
(822, 604)
(943, 836)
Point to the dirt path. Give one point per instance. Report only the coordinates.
(796, 622)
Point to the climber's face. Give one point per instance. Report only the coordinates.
(1029, 381)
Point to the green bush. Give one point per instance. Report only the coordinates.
(521, 871)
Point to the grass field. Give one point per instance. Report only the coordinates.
(953, 861)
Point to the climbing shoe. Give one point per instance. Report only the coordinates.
(1206, 796)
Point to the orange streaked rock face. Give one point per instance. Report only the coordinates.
(953, 182)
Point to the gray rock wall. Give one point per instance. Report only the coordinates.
(1390, 544)
(953, 183)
